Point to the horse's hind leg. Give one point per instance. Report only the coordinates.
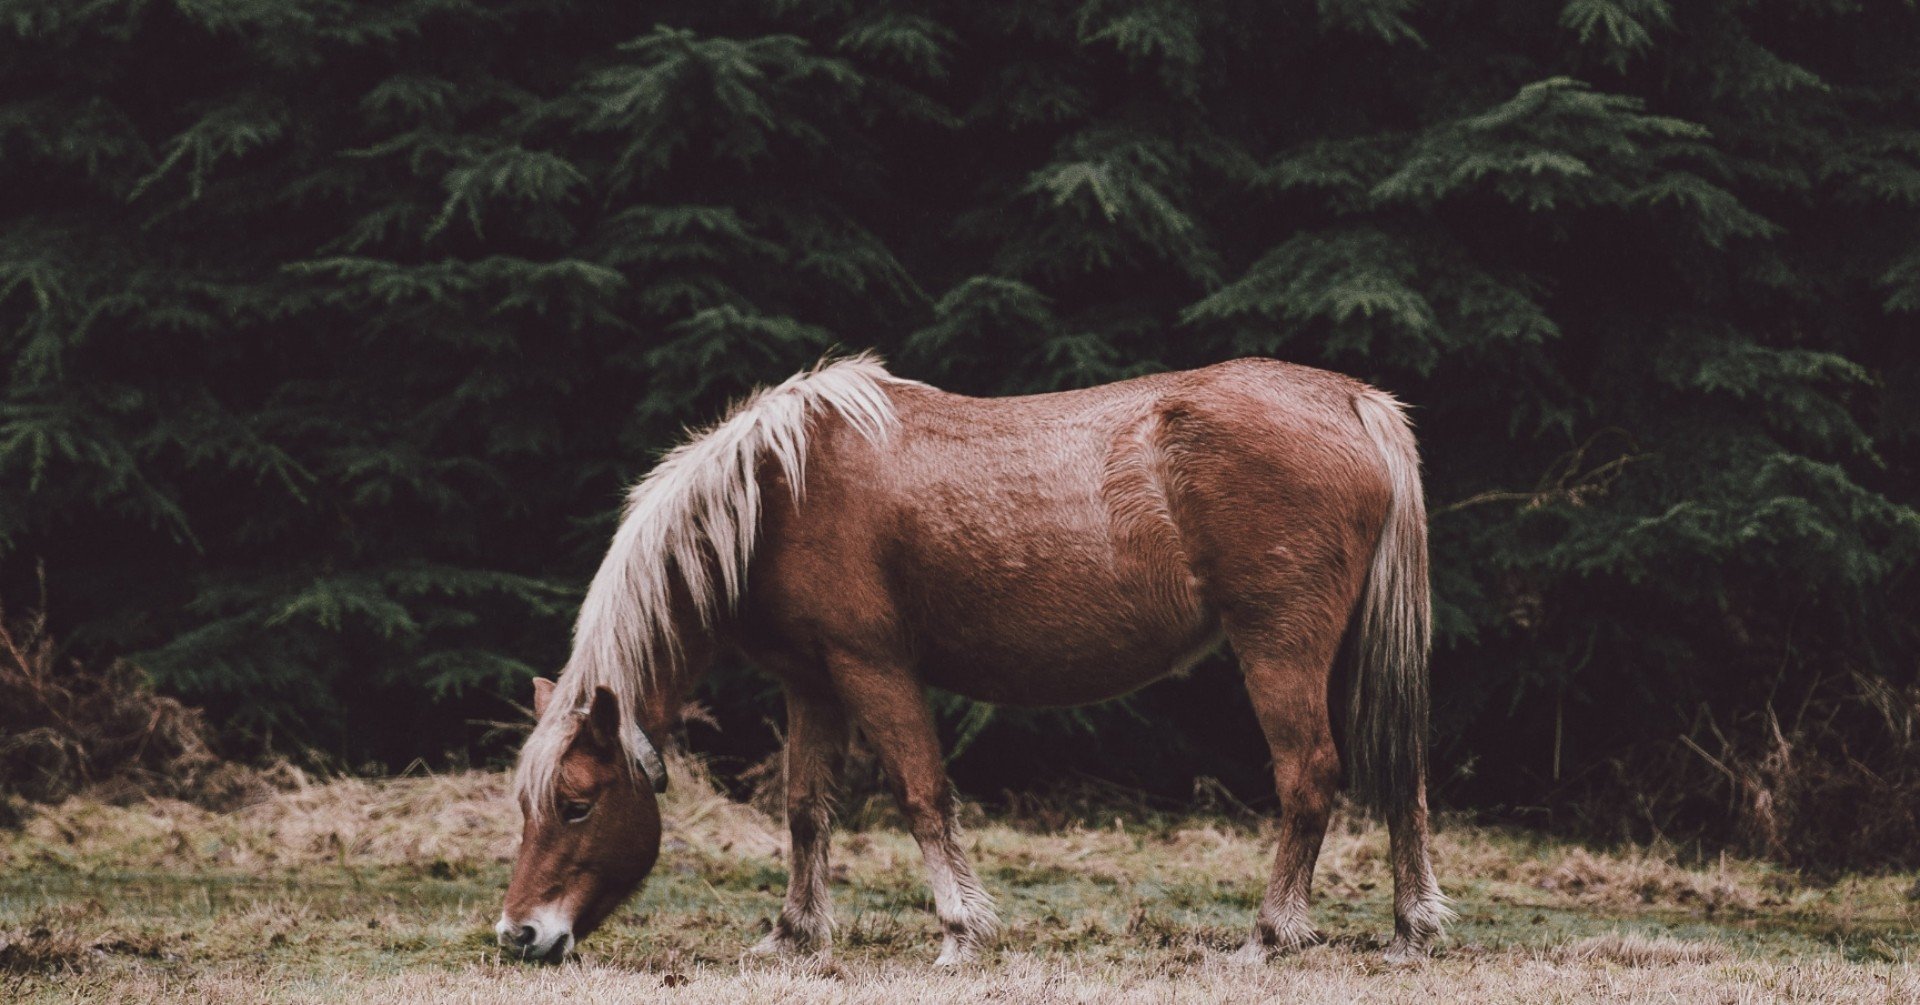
(816, 745)
(890, 708)
(1287, 668)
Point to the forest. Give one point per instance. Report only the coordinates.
(332, 333)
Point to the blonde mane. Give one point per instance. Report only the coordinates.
(696, 515)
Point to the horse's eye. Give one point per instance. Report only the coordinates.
(574, 812)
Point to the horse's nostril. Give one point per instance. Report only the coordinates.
(527, 935)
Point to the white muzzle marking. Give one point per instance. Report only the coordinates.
(543, 935)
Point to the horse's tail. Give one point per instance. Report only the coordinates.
(1388, 705)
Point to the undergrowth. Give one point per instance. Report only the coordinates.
(69, 725)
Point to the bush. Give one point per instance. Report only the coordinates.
(1831, 782)
(68, 726)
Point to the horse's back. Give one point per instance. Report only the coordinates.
(1060, 548)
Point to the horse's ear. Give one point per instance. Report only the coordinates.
(542, 693)
(603, 719)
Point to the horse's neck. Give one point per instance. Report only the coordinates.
(677, 667)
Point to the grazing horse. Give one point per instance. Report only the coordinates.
(860, 537)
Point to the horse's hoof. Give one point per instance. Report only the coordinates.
(779, 946)
(1405, 953)
(956, 953)
(1260, 950)
(1253, 954)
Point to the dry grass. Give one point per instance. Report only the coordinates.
(1317, 977)
(383, 891)
(1637, 951)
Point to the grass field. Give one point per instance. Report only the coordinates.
(375, 892)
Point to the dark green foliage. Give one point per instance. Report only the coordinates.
(333, 330)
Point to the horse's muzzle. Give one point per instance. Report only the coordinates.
(537, 939)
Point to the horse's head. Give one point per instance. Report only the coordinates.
(593, 843)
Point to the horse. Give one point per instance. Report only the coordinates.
(861, 536)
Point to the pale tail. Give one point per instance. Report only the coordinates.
(694, 518)
(1388, 705)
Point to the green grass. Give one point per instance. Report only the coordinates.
(362, 891)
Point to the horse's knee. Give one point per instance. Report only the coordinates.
(928, 809)
(809, 820)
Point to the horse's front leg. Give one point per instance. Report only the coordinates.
(816, 745)
(890, 707)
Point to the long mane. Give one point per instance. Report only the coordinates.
(695, 516)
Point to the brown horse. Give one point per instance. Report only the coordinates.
(861, 537)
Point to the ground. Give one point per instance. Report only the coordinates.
(385, 891)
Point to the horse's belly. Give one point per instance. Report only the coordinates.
(1023, 585)
(1049, 668)
(1063, 624)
